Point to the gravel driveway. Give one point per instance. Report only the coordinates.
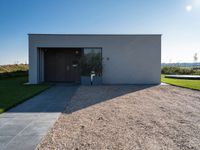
(128, 117)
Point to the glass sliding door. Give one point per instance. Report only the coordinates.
(91, 62)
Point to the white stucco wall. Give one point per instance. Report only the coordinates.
(133, 59)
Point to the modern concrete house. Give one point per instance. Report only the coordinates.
(115, 59)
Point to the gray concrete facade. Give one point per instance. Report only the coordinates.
(127, 59)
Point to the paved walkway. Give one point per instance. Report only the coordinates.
(23, 127)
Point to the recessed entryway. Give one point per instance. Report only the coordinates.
(62, 64)
(71, 65)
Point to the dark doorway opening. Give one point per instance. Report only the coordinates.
(62, 64)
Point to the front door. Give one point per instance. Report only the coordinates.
(61, 65)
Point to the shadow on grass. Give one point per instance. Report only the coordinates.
(13, 74)
(14, 92)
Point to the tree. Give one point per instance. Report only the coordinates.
(195, 59)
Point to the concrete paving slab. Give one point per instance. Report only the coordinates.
(3, 121)
(11, 129)
(24, 126)
(22, 142)
(5, 140)
(37, 128)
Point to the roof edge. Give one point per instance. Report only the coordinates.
(96, 34)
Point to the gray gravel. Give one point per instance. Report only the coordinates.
(128, 117)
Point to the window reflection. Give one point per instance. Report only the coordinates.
(91, 61)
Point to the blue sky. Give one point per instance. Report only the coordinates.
(177, 20)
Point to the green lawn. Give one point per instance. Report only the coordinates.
(13, 91)
(191, 84)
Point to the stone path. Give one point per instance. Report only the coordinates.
(23, 127)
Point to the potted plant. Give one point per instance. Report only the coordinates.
(91, 63)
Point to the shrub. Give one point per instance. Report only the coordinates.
(91, 62)
(197, 72)
(178, 70)
(15, 70)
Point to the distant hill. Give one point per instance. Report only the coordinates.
(181, 64)
(13, 70)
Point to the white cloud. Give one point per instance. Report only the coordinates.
(188, 8)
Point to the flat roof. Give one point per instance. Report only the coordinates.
(96, 34)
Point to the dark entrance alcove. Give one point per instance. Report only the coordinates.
(62, 64)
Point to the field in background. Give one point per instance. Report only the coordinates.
(191, 84)
(13, 70)
(180, 70)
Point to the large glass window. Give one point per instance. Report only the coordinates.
(91, 62)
